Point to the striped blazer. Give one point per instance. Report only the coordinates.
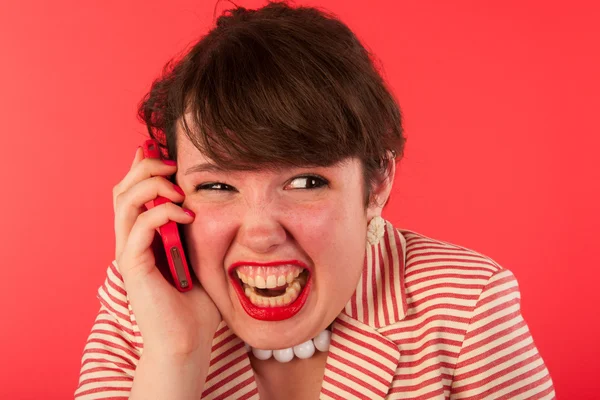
(428, 320)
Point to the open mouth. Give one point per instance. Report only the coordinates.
(272, 291)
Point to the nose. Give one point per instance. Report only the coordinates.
(261, 232)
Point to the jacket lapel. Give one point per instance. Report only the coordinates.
(230, 373)
(380, 296)
(362, 362)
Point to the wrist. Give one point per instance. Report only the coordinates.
(200, 348)
(164, 375)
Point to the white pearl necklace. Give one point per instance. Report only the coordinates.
(303, 350)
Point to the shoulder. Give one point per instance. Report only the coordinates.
(115, 301)
(443, 277)
(428, 258)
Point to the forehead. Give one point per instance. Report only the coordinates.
(186, 149)
(184, 146)
(187, 152)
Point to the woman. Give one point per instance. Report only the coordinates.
(284, 141)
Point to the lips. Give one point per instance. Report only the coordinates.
(271, 291)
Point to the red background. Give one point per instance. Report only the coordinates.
(500, 104)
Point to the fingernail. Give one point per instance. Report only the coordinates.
(170, 162)
(179, 190)
(189, 212)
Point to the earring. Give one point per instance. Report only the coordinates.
(375, 230)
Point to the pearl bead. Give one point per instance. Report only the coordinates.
(283, 355)
(322, 340)
(262, 354)
(305, 350)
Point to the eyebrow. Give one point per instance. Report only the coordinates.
(204, 167)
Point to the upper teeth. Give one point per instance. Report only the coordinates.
(268, 277)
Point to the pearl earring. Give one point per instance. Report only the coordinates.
(375, 230)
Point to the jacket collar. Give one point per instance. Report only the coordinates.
(362, 361)
(380, 297)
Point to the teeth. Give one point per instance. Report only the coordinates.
(268, 277)
(287, 298)
(259, 282)
(292, 275)
(296, 285)
(271, 282)
(292, 291)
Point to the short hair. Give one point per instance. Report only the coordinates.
(278, 86)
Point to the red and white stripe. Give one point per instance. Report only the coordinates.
(428, 320)
(114, 346)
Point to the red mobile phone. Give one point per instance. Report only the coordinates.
(174, 251)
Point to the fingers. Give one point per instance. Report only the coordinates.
(141, 170)
(141, 236)
(130, 204)
(139, 156)
(143, 183)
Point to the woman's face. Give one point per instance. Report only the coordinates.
(269, 226)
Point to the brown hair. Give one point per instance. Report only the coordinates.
(278, 86)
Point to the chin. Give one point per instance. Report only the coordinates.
(274, 335)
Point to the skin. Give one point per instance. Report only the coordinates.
(266, 215)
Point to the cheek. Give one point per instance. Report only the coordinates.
(311, 225)
(328, 218)
(315, 226)
(334, 237)
(330, 233)
(208, 239)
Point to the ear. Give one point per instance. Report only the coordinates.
(381, 192)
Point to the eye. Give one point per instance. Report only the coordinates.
(217, 186)
(307, 182)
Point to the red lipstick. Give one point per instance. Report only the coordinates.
(270, 313)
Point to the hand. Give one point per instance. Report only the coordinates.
(171, 322)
